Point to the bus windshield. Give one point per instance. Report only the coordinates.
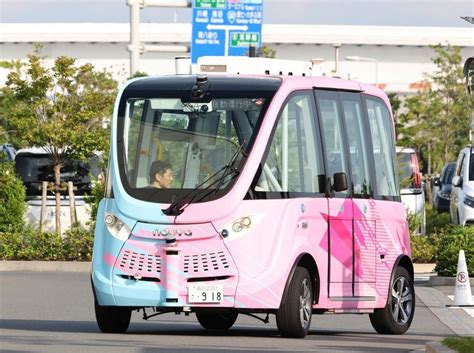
(195, 140)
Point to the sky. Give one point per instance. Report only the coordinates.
(436, 13)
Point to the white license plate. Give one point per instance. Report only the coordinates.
(205, 293)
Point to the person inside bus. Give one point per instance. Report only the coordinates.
(161, 175)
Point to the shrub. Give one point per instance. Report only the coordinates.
(9, 245)
(12, 198)
(29, 244)
(414, 222)
(36, 245)
(436, 222)
(457, 238)
(97, 194)
(77, 244)
(423, 248)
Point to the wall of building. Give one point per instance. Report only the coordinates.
(398, 69)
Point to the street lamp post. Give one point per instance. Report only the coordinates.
(360, 58)
(336, 58)
(135, 47)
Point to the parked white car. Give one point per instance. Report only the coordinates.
(411, 186)
(462, 194)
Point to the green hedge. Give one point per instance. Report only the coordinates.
(457, 238)
(12, 198)
(423, 248)
(29, 244)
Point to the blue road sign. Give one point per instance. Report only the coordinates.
(225, 27)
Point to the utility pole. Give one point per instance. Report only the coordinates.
(135, 47)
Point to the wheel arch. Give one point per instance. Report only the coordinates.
(307, 261)
(405, 262)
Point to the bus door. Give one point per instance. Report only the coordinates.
(340, 213)
(364, 215)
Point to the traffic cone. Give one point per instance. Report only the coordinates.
(462, 290)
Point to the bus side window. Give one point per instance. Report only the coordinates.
(293, 163)
(381, 130)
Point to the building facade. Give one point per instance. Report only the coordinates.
(395, 58)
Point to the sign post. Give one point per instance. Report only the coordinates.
(225, 27)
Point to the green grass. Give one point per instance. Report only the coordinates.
(460, 344)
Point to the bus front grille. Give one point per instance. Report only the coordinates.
(133, 262)
(207, 262)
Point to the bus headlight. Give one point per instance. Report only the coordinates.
(117, 227)
(241, 223)
(240, 226)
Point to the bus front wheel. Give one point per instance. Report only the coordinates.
(294, 315)
(112, 319)
(217, 320)
(398, 313)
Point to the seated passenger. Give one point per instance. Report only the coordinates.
(161, 175)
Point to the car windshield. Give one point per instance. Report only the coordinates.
(405, 169)
(192, 141)
(448, 174)
(34, 168)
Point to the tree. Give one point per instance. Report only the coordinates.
(7, 102)
(396, 104)
(436, 122)
(264, 52)
(61, 109)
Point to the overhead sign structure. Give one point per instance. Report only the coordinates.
(225, 27)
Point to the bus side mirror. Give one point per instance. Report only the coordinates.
(339, 182)
(457, 181)
(436, 182)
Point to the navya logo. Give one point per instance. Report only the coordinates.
(171, 232)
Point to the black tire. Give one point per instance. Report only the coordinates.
(112, 319)
(294, 315)
(222, 320)
(396, 317)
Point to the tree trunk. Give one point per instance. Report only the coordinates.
(446, 153)
(428, 179)
(57, 186)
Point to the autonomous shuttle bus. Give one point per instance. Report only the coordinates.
(255, 195)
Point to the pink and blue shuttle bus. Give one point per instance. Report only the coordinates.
(283, 200)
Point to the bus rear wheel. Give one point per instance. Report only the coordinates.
(222, 320)
(112, 319)
(294, 315)
(398, 314)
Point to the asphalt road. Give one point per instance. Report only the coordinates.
(53, 312)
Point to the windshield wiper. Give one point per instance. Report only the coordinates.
(177, 207)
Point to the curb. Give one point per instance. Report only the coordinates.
(437, 347)
(437, 281)
(46, 266)
(424, 268)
